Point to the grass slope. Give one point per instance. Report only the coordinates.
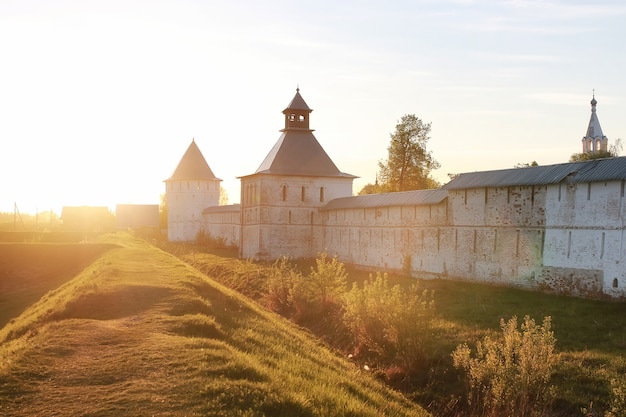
(591, 334)
(29, 270)
(138, 332)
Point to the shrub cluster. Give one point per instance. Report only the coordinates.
(510, 376)
(390, 322)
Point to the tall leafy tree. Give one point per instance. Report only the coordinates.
(409, 164)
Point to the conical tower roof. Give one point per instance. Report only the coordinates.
(297, 103)
(297, 151)
(193, 166)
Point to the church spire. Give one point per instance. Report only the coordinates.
(594, 140)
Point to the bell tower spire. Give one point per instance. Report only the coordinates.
(594, 140)
(297, 114)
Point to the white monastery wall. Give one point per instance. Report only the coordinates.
(223, 222)
(584, 249)
(186, 200)
(280, 214)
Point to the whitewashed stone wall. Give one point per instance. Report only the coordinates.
(280, 214)
(584, 250)
(566, 238)
(223, 222)
(186, 200)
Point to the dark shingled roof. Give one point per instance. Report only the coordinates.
(299, 153)
(193, 166)
(607, 169)
(404, 198)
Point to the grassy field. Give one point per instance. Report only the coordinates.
(591, 335)
(138, 332)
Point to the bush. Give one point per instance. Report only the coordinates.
(282, 284)
(328, 281)
(390, 323)
(510, 376)
(306, 299)
(205, 238)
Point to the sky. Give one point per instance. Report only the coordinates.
(100, 99)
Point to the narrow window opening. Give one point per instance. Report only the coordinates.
(302, 194)
(517, 243)
(465, 197)
(615, 283)
(486, 195)
(321, 194)
(438, 239)
(532, 196)
(589, 191)
(569, 243)
(559, 191)
(289, 216)
(284, 193)
(495, 240)
(602, 245)
(508, 195)
(475, 239)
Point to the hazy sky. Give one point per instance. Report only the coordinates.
(100, 99)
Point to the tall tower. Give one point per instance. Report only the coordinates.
(280, 201)
(191, 188)
(594, 140)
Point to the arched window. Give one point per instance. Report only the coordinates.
(615, 283)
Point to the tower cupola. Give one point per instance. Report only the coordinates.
(594, 140)
(297, 114)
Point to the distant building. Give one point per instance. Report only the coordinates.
(87, 219)
(560, 227)
(137, 216)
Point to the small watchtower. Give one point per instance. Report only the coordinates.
(191, 188)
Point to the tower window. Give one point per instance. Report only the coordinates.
(284, 193)
(615, 283)
(321, 194)
(302, 194)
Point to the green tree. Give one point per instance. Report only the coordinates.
(223, 199)
(613, 151)
(409, 164)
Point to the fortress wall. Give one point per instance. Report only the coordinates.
(284, 213)
(461, 238)
(584, 250)
(224, 224)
